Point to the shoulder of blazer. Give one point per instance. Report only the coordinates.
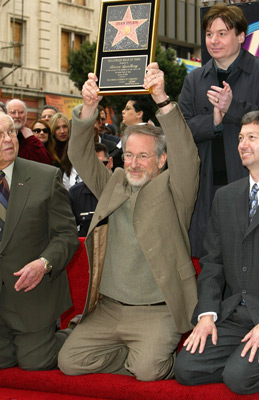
(233, 189)
(28, 168)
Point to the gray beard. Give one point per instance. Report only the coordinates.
(18, 126)
(140, 182)
(137, 182)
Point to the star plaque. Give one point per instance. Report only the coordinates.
(126, 44)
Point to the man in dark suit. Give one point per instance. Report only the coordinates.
(83, 201)
(106, 131)
(37, 240)
(224, 344)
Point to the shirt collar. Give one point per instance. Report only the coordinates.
(251, 183)
(231, 66)
(9, 174)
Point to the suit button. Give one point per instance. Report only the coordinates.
(244, 269)
(229, 310)
(243, 291)
(100, 218)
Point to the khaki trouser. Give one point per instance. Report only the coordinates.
(135, 340)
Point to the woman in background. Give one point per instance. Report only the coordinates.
(41, 130)
(59, 124)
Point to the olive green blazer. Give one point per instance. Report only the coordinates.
(39, 223)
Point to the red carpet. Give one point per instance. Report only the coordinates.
(107, 386)
(16, 384)
(13, 394)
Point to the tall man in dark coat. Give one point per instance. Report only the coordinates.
(224, 344)
(213, 100)
(37, 240)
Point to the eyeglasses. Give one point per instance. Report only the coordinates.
(141, 157)
(38, 130)
(13, 112)
(11, 133)
(105, 162)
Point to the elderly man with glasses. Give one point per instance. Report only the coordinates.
(142, 282)
(30, 147)
(37, 240)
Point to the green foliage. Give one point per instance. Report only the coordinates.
(81, 62)
(174, 73)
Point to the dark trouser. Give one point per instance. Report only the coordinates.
(29, 350)
(223, 362)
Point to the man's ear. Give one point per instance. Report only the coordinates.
(111, 162)
(241, 37)
(140, 115)
(162, 160)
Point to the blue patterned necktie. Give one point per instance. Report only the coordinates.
(253, 202)
(4, 196)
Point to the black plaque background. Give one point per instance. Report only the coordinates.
(100, 54)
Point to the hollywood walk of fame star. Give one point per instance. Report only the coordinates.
(127, 27)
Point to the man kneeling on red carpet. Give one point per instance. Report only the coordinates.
(142, 282)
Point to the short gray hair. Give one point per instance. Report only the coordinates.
(154, 131)
(23, 103)
(250, 118)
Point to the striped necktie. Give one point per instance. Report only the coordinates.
(4, 196)
(253, 202)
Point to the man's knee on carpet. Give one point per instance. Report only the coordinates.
(86, 362)
(36, 362)
(150, 370)
(182, 372)
(240, 375)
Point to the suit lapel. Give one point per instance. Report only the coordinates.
(18, 196)
(254, 224)
(109, 203)
(241, 201)
(120, 194)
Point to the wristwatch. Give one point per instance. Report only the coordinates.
(47, 265)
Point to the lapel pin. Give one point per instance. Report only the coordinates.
(20, 184)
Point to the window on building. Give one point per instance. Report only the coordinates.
(80, 2)
(17, 39)
(69, 40)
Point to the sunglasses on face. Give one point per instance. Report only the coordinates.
(38, 130)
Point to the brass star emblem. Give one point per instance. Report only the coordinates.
(127, 27)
